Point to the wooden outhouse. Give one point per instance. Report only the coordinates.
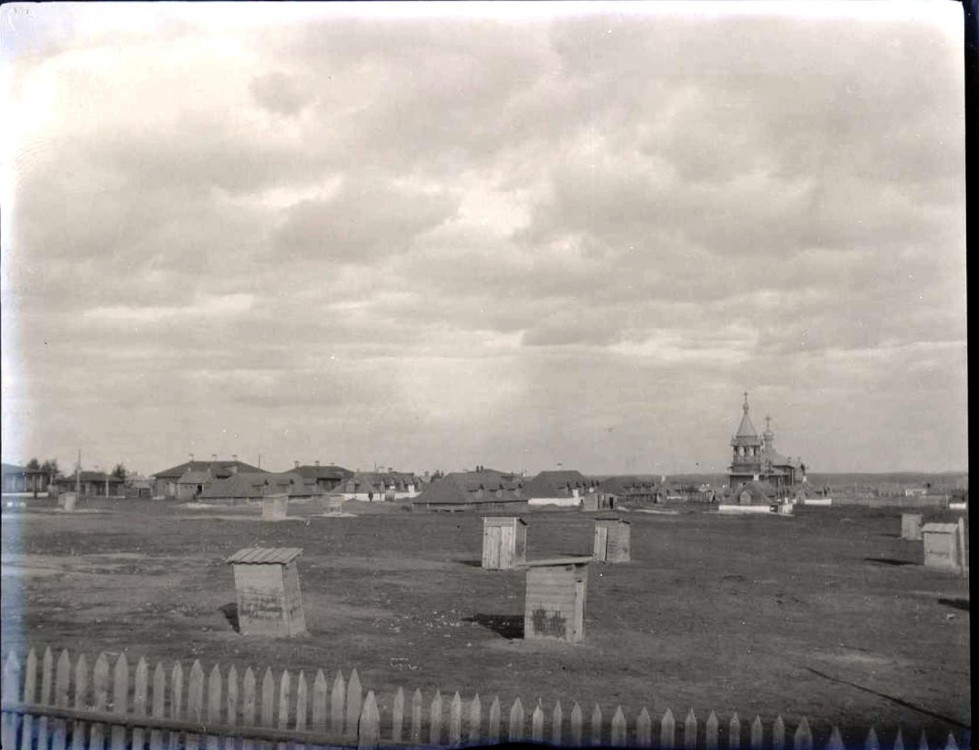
(612, 540)
(911, 526)
(267, 591)
(504, 542)
(555, 602)
(275, 507)
(942, 546)
(67, 500)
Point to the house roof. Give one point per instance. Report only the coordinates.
(462, 487)
(323, 472)
(381, 480)
(195, 477)
(251, 484)
(90, 476)
(13, 469)
(265, 555)
(555, 484)
(218, 469)
(625, 485)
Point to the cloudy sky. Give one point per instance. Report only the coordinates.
(430, 236)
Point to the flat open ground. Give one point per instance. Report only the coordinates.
(828, 615)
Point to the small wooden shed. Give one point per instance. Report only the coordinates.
(555, 602)
(67, 500)
(943, 549)
(911, 526)
(504, 542)
(612, 540)
(275, 507)
(267, 591)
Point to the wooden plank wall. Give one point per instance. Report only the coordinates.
(48, 704)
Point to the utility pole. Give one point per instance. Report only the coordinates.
(78, 475)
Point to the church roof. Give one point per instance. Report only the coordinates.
(746, 429)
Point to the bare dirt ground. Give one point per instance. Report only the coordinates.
(828, 615)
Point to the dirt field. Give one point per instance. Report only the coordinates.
(827, 615)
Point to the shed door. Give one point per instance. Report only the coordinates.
(601, 542)
(507, 547)
(491, 548)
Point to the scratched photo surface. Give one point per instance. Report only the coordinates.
(426, 374)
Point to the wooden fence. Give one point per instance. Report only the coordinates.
(79, 707)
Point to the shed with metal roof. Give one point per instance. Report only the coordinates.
(267, 591)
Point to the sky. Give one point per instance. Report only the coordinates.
(527, 236)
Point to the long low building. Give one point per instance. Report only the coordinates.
(472, 490)
(249, 486)
(562, 488)
(379, 486)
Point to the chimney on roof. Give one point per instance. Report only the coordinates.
(234, 456)
(316, 463)
(295, 464)
(214, 456)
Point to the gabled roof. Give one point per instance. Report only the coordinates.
(218, 469)
(555, 484)
(381, 480)
(12, 469)
(323, 472)
(463, 487)
(195, 477)
(625, 485)
(255, 484)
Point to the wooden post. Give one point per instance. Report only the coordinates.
(397, 716)
(231, 705)
(435, 720)
(81, 701)
(475, 720)
(248, 693)
(802, 740)
(617, 731)
(537, 724)
(336, 705)
(416, 718)
(47, 673)
(11, 694)
(100, 691)
(516, 728)
(140, 690)
(354, 704)
(30, 695)
(120, 700)
(319, 702)
(455, 720)
(711, 732)
(667, 731)
(557, 719)
(596, 726)
(493, 730)
(690, 731)
(963, 559)
(734, 732)
(214, 705)
(644, 729)
(369, 726)
(195, 702)
(576, 719)
(159, 702)
(176, 701)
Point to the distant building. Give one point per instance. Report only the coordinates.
(327, 478)
(627, 489)
(558, 488)
(379, 486)
(93, 483)
(252, 486)
(472, 490)
(18, 480)
(756, 460)
(165, 482)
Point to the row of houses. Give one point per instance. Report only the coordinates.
(233, 482)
